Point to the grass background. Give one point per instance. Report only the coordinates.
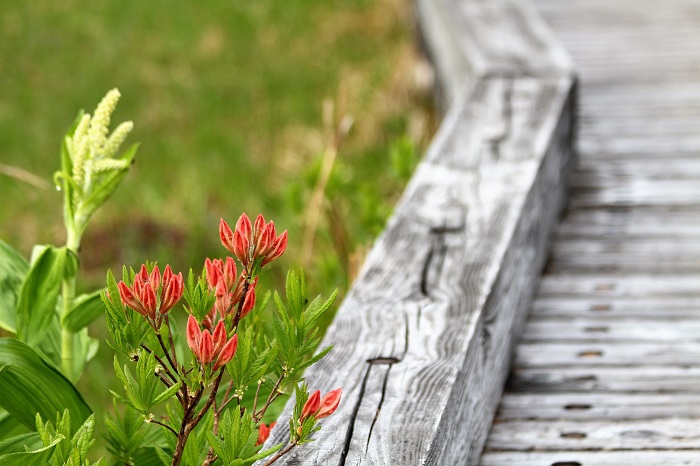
(227, 98)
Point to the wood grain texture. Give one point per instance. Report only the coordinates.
(423, 340)
(606, 371)
(587, 458)
(446, 285)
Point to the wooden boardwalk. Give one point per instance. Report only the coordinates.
(608, 368)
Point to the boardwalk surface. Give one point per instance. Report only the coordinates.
(608, 368)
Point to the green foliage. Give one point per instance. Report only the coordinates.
(198, 296)
(124, 434)
(27, 450)
(29, 385)
(236, 442)
(36, 308)
(143, 388)
(404, 158)
(69, 450)
(86, 309)
(13, 269)
(254, 358)
(295, 326)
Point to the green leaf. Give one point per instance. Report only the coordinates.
(13, 269)
(16, 444)
(29, 385)
(86, 308)
(39, 457)
(9, 426)
(37, 301)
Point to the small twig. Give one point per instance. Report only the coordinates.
(162, 363)
(281, 453)
(165, 350)
(210, 400)
(172, 342)
(257, 394)
(273, 396)
(23, 175)
(164, 425)
(226, 399)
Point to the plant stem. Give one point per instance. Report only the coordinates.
(281, 453)
(68, 296)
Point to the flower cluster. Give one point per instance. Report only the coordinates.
(143, 297)
(216, 303)
(253, 245)
(208, 348)
(318, 407)
(221, 277)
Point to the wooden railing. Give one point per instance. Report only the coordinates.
(422, 342)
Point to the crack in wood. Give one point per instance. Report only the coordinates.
(379, 406)
(435, 258)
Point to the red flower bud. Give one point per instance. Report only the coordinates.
(227, 353)
(312, 405)
(206, 348)
(264, 433)
(194, 334)
(329, 403)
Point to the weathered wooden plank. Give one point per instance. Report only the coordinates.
(507, 37)
(661, 379)
(658, 434)
(586, 458)
(604, 353)
(597, 406)
(665, 308)
(631, 222)
(449, 278)
(608, 330)
(613, 285)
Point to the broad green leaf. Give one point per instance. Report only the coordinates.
(9, 426)
(13, 269)
(28, 385)
(16, 444)
(148, 456)
(86, 308)
(37, 301)
(38, 457)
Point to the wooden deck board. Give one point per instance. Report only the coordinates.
(607, 369)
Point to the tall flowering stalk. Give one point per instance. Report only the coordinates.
(223, 349)
(91, 170)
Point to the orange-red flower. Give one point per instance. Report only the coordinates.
(142, 296)
(253, 244)
(264, 432)
(221, 277)
(321, 407)
(209, 348)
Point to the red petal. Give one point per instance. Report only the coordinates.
(230, 272)
(226, 235)
(243, 225)
(227, 352)
(329, 403)
(193, 335)
(312, 406)
(206, 348)
(219, 337)
(128, 298)
(213, 272)
(148, 299)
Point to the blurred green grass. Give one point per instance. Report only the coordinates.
(226, 97)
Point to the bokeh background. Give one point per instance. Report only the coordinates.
(237, 106)
(228, 102)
